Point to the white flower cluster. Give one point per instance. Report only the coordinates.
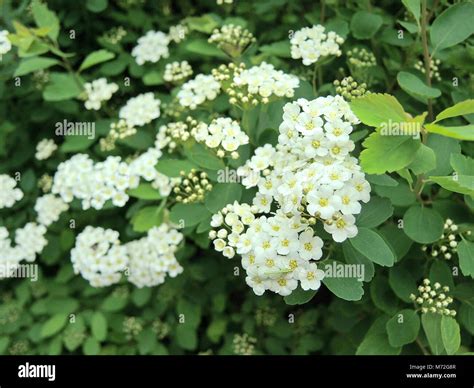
(222, 133)
(102, 260)
(5, 44)
(97, 92)
(29, 242)
(198, 90)
(45, 148)
(264, 80)
(153, 257)
(308, 177)
(49, 208)
(99, 257)
(140, 110)
(177, 71)
(96, 183)
(151, 47)
(277, 251)
(9, 194)
(313, 43)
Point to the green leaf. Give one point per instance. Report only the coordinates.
(53, 325)
(189, 214)
(387, 153)
(153, 78)
(76, 143)
(299, 296)
(352, 256)
(441, 272)
(376, 109)
(96, 57)
(465, 251)
(147, 217)
(91, 347)
(99, 326)
(425, 160)
(403, 328)
(204, 157)
(414, 6)
(414, 86)
(459, 183)
(383, 296)
(61, 87)
(373, 246)
(463, 165)
(29, 65)
(145, 191)
(217, 329)
(347, 288)
(450, 334)
(278, 49)
(44, 18)
(462, 132)
(381, 180)
(364, 24)
(422, 224)
(460, 109)
(221, 195)
(375, 212)
(402, 281)
(96, 5)
(203, 47)
(376, 342)
(452, 26)
(432, 327)
(443, 147)
(141, 296)
(205, 23)
(186, 336)
(173, 167)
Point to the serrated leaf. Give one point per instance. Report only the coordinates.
(376, 109)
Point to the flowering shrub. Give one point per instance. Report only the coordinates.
(325, 149)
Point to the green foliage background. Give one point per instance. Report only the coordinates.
(412, 181)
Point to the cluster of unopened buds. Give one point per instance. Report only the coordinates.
(434, 68)
(232, 39)
(118, 130)
(446, 247)
(243, 344)
(350, 89)
(433, 299)
(174, 133)
(178, 32)
(176, 72)
(238, 96)
(361, 57)
(114, 35)
(193, 187)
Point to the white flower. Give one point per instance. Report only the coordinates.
(49, 208)
(198, 90)
(312, 43)
(5, 44)
(310, 277)
(140, 110)
(178, 33)
(343, 228)
(97, 92)
(45, 148)
(310, 245)
(9, 194)
(151, 47)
